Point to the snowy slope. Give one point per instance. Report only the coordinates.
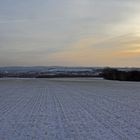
(69, 109)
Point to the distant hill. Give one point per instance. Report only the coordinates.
(46, 69)
(55, 71)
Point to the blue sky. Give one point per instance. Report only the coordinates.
(70, 32)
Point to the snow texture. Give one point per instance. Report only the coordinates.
(69, 109)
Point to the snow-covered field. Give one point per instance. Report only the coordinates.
(69, 109)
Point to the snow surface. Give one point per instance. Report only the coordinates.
(69, 109)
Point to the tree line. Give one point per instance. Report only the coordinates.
(115, 74)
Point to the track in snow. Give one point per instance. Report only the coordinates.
(69, 109)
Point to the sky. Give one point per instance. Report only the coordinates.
(70, 33)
